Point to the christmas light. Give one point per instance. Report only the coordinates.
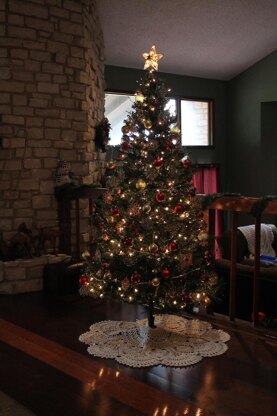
(150, 233)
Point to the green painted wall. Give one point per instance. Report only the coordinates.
(245, 122)
(125, 80)
(252, 130)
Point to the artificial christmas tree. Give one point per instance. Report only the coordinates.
(152, 243)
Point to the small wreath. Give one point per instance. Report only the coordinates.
(102, 134)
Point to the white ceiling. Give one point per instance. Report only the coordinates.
(204, 38)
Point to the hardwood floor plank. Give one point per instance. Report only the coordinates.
(241, 382)
(106, 380)
(49, 392)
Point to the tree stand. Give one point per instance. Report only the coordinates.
(150, 315)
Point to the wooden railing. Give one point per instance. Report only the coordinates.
(233, 204)
(257, 207)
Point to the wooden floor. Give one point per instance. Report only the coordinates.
(44, 367)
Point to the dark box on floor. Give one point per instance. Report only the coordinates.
(62, 278)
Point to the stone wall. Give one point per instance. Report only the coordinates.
(51, 98)
(25, 275)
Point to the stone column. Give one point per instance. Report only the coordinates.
(51, 98)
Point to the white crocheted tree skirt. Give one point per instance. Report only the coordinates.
(175, 342)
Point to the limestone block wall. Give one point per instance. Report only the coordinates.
(51, 98)
(25, 275)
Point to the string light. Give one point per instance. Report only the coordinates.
(142, 131)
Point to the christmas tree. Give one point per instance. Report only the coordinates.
(152, 242)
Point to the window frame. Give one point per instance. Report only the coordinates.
(210, 101)
(179, 98)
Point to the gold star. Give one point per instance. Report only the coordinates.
(152, 58)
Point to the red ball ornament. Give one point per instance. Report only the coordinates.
(127, 241)
(136, 277)
(83, 280)
(144, 145)
(125, 146)
(133, 228)
(207, 257)
(178, 209)
(173, 246)
(191, 192)
(204, 277)
(158, 163)
(160, 197)
(115, 212)
(186, 163)
(169, 146)
(105, 265)
(185, 298)
(166, 274)
(261, 316)
(121, 156)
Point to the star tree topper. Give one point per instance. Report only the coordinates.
(152, 58)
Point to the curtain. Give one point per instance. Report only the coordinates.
(206, 180)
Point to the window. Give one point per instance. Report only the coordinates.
(117, 106)
(194, 118)
(196, 123)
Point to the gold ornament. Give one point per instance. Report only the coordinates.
(120, 227)
(213, 279)
(86, 254)
(134, 210)
(175, 130)
(203, 236)
(207, 300)
(147, 208)
(147, 124)
(125, 284)
(107, 276)
(112, 219)
(186, 261)
(125, 129)
(152, 58)
(107, 198)
(153, 248)
(141, 184)
(155, 282)
(153, 144)
(105, 237)
(183, 216)
(111, 165)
